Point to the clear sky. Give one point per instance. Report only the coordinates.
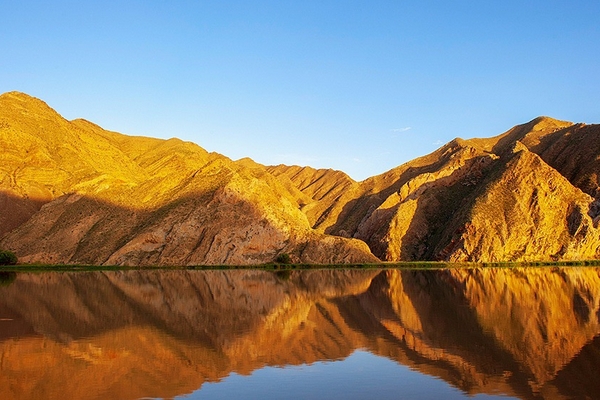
(361, 86)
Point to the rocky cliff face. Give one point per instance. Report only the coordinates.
(75, 193)
(72, 192)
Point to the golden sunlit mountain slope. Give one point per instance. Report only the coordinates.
(528, 194)
(323, 187)
(75, 193)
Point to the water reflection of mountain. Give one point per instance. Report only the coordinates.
(524, 332)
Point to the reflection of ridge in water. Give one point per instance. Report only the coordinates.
(521, 332)
(361, 375)
(579, 379)
(435, 331)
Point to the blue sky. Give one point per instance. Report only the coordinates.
(361, 86)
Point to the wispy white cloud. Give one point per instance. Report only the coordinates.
(438, 143)
(396, 130)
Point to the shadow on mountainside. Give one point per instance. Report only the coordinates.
(574, 152)
(17, 210)
(444, 209)
(355, 211)
(219, 227)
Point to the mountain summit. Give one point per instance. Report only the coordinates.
(72, 192)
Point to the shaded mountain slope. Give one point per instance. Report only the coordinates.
(525, 210)
(80, 194)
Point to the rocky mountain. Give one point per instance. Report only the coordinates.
(72, 192)
(528, 194)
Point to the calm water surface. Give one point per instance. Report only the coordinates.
(349, 334)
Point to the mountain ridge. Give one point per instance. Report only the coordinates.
(134, 200)
(71, 189)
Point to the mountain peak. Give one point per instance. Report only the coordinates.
(22, 97)
(26, 104)
(17, 94)
(545, 123)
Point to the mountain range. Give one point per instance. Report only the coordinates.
(72, 192)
